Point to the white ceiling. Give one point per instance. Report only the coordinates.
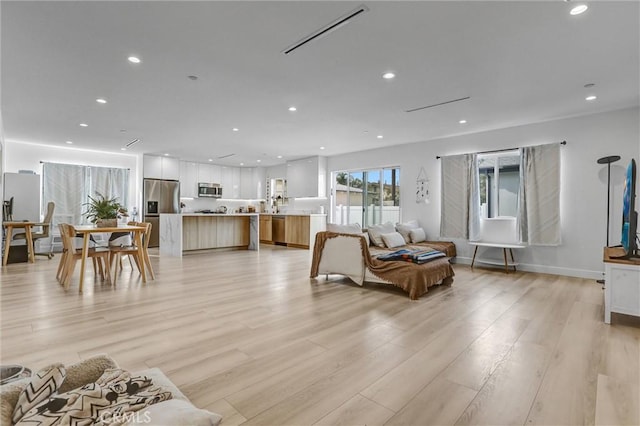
(519, 62)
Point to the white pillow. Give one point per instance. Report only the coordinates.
(393, 239)
(417, 235)
(174, 412)
(376, 231)
(405, 228)
(344, 229)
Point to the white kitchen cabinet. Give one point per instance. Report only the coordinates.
(230, 182)
(156, 167)
(188, 179)
(307, 177)
(247, 187)
(205, 173)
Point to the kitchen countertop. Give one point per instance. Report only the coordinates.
(214, 214)
(294, 214)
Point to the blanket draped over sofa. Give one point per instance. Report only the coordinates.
(412, 278)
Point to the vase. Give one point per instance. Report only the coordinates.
(106, 223)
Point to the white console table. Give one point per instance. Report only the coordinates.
(504, 246)
(622, 284)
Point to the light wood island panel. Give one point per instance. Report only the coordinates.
(185, 232)
(207, 232)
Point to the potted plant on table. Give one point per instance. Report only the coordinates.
(104, 211)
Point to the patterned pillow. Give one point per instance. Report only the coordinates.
(112, 399)
(43, 384)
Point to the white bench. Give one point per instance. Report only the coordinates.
(504, 246)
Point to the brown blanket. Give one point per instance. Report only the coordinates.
(413, 278)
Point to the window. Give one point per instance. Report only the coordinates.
(499, 175)
(367, 197)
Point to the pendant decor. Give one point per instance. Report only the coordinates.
(422, 187)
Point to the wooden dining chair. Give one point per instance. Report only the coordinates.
(44, 233)
(131, 251)
(71, 254)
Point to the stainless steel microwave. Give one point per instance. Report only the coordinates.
(211, 190)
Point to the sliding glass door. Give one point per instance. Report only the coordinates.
(366, 197)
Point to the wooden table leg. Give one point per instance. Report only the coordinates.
(85, 250)
(474, 256)
(141, 255)
(7, 244)
(29, 238)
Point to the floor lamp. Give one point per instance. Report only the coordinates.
(608, 160)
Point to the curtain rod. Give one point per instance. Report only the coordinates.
(500, 150)
(83, 165)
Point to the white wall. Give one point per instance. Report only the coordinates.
(27, 156)
(584, 182)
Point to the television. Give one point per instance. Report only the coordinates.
(629, 215)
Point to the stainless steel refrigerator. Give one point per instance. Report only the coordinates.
(160, 196)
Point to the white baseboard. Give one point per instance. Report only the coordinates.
(544, 269)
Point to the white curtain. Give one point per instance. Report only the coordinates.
(460, 197)
(539, 198)
(69, 187)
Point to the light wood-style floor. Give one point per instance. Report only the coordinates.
(250, 336)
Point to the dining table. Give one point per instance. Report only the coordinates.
(10, 226)
(87, 230)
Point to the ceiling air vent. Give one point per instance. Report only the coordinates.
(226, 156)
(341, 21)
(438, 104)
(133, 142)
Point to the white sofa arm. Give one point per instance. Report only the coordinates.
(343, 255)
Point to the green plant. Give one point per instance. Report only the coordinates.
(102, 207)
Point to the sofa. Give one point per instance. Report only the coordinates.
(350, 251)
(176, 410)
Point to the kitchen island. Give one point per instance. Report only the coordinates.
(185, 232)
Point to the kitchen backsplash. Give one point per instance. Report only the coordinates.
(297, 206)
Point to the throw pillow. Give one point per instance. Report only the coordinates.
(393, 239)
(175, 412)
(417, 235)
(43, 384)
(376, 231)
(344, 229)
(405, 228)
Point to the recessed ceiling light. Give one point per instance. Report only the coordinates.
(235, 129)
(134, 59)
(591, 98)
(123, 149)
(70, 143)
(292, 109)
(581, 8)
(388, 75)
(279, 156)
(322, 147)
(101, 101)
(84, 125)
(462, 121)
(242, 164)
(166, 154)
(257, 161)
(379, 136)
